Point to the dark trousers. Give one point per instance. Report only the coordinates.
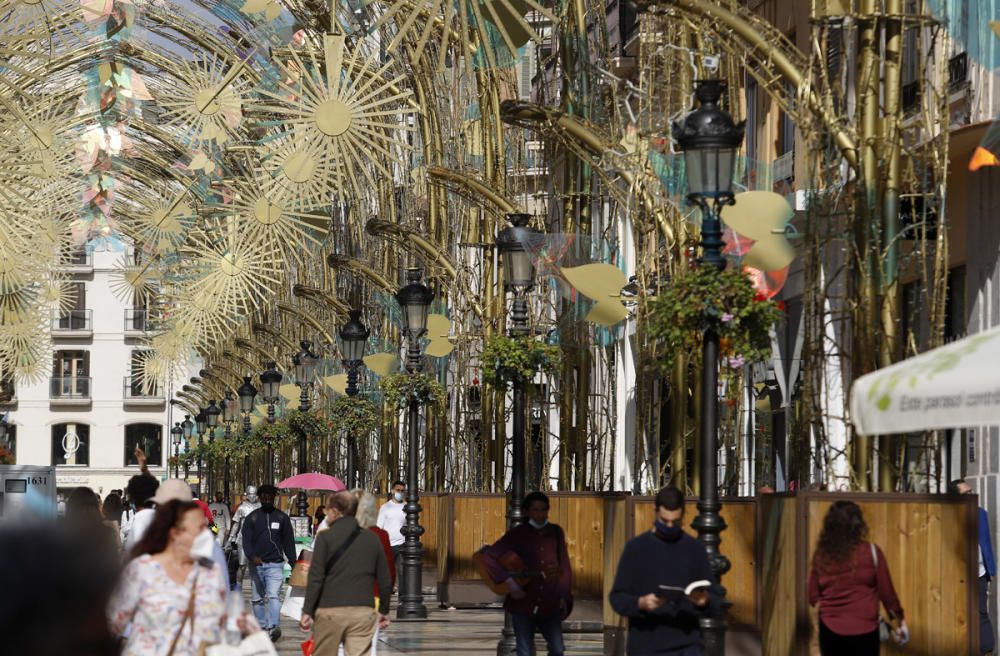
(834, 644)
(397, 557)
(525, 626)
(987, 642)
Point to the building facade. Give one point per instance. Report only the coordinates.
(88, 416)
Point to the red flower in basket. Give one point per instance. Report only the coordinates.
(781, 305)
(759, 297)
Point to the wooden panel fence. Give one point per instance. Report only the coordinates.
(930, 544)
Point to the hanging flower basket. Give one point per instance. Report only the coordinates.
(507, 360)
(724, 301)
(400, 388)
(6, 457)
(352, 414)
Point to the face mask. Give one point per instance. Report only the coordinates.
(398, 496)
(669, 533)
(267, 507)
(538, 524)
(203, 546)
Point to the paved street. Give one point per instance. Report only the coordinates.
(444, 632)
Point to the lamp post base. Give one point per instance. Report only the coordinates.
(508, 642)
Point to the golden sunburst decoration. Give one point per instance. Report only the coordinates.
(52, 234)
(300, 165)
(56, 291)
(225, 280)
(346, 123)
(449, 24)
(160, 222)
(210, 107)
(37, 20)
(135, 282)
(26, 348)
(269, 212)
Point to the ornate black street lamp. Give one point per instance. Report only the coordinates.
(519, 278)
(270, 380)
(414, 299)
(201, 423)
(709, 139)
(305, 362)
(247, 393)
(176, 433)
(212, 413)
(230, 414)
(353, 339)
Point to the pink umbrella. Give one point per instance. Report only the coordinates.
(313, 482)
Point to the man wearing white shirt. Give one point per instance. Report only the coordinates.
(391, 519)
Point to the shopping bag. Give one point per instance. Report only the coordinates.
(300, 573)
(308, 647)
(256, 644)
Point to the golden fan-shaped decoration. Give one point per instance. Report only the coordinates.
(268, 212)
(26, 348)
(160, 222)
(42, 140)
(448, 24)
(135, 282)
(346, 124)
(209, 104)
(37, 20)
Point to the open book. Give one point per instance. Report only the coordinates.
(686, 590)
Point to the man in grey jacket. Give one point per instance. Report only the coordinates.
(347, 562)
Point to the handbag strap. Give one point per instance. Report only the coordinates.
(340, 551)
(188, 614)
(874, 555)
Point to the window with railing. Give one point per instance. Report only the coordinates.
(8, 392)
(72, 320)
(136, 319)
(958, 70)
(79, 258)
(70, 375)
(136, 388)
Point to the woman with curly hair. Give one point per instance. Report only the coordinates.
(849, 577)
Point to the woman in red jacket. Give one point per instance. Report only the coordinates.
(849, 578)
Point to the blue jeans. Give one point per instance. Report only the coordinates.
(524, 633)
(266, 597)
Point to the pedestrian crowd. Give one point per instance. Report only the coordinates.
(152, 570)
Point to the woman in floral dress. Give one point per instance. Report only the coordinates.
(154, 595)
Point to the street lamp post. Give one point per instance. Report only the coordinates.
(519, 278)
(247, 393)
(305, 362)
(415, 298)
(353, 339)
(187, 426)
(212, 413)
(270, 387)
(176, 433)
(230, 413)
(709, 139)
(201, 422)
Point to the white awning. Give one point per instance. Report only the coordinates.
(953, 386)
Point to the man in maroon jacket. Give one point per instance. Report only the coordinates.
(539, 595)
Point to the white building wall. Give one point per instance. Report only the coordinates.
(107, 414)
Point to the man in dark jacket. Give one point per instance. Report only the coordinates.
(347, 561)
(542, 599)
(987, 570)
(268, 540)
(662, 621)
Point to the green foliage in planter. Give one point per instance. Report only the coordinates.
(507, 360)
(400, 388)
(310, 422)
(354, 415)
(724, 301)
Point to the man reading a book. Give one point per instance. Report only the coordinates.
(662, 585)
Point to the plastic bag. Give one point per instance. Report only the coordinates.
(308, 647)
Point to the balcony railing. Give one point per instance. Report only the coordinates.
(136, 320)
(135, 390)
(67, 388)
(79, 262)
(72, 320)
